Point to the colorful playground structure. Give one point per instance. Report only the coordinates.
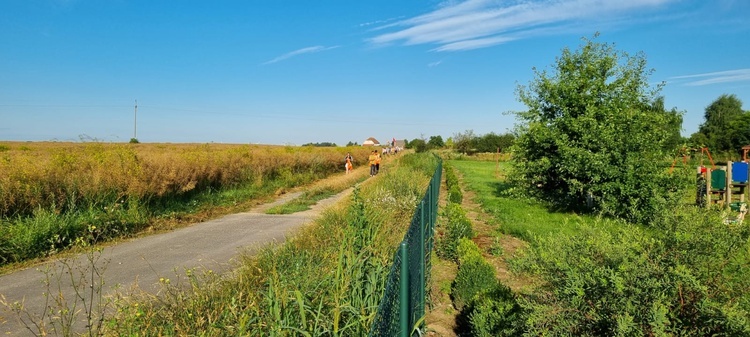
(724, 186)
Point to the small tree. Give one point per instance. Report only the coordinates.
(436, 142)
(464, 142)
(724, 124)
(591, 137)
(449, 143)
(419, 145)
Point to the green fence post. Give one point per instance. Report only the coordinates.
(404, 291)
(422, 252)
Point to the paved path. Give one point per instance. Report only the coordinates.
(143, 261)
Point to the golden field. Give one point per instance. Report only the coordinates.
(65, 176)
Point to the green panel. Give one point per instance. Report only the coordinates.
(718, 180)
(404, 300)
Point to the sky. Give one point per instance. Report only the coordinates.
(296, 72)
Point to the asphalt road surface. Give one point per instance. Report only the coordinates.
(144, 261)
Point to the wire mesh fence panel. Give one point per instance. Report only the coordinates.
(402, 307)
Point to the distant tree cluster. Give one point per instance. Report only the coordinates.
(350, 143)
(469, 143)
(465, 142)
(726, 127)
(323, 144)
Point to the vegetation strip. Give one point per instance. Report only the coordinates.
(53, 195)
(604, 277)
(328, 279)
(319, 192)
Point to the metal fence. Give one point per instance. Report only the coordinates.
(402, 308)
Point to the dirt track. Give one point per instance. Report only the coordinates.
(142, 262)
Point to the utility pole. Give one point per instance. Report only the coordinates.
(135, 121)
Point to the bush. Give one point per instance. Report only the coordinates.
(457, 226)
(451, 182)
(690, 278)
(496, 314)
(475, 275)
(455, 195)
(467, 250)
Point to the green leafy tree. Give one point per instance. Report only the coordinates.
(591, 138)
(449, 143)
(491, 142)
(722, 124)
(674, 139)
(419, 145)
(739, 131)
(436, 142)
(464, 142)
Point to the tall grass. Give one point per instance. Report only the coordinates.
(327, 280)
(50, 193)
(69, 176)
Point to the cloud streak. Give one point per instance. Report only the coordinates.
(472, 24)
(737, 75)
(308, 50)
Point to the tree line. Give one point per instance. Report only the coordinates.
(465, 142)
(726, 126)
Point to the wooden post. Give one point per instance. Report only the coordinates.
(497, 163)
(709, 195)
(730, 188)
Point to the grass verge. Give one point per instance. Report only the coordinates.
(320, 191)
(519, 216)
(326, 280)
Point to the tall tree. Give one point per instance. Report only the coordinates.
(591, 137)
(722, 123)
(436, 142)
(463, 142)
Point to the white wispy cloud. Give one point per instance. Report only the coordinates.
(308, 50)
(380, 22)
(472, 24)
(737, 75)
(434, 64)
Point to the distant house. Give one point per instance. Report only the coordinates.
(401, 144)
(371, 142)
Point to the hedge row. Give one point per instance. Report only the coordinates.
(457, 224)
(451, 181)
(488, 307)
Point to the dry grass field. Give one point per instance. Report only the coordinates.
(55, 195)
(66, 176)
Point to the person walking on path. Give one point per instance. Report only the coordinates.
(348, 164)
(377, 162)
(372, 158)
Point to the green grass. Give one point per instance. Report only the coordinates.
(303, 202)
(521, 217)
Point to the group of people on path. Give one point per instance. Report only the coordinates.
(374, 160)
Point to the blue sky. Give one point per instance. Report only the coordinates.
(293, 72)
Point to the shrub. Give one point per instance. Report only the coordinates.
(687, 279)
(497, 313)
(455, 195)
(457, 226)
(467, 250)
(475, 275)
